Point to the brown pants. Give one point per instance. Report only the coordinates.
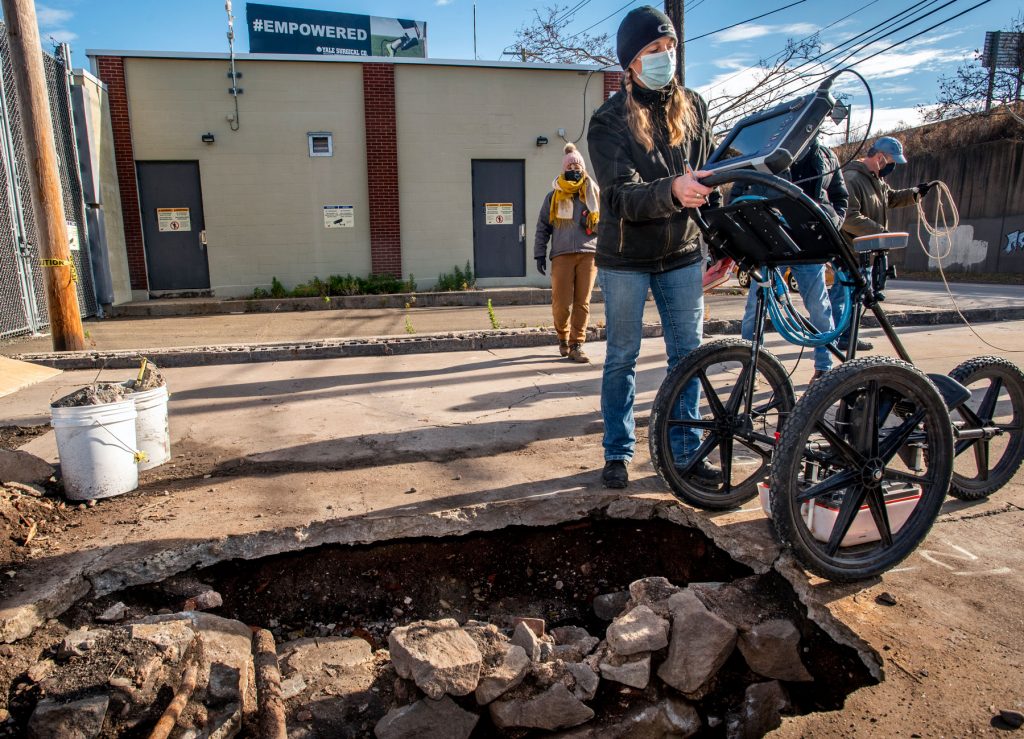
(572, 281)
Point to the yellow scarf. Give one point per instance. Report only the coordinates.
(565, 192)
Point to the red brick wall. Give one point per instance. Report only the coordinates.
(382, 168)
(612, 81)
(111, 71)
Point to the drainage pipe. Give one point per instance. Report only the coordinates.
(272, 723)
(166, 723)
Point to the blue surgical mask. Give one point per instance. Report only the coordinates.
(657, 70)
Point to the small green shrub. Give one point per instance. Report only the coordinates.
(277, 289)
(495, 323)
(315, 288)
(457, 279)
(260, 294)
(347, 285)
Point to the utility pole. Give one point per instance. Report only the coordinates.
(674, 10)
(59, 274)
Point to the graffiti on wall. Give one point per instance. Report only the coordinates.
(1014, 241)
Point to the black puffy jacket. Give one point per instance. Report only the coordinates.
(642, 226)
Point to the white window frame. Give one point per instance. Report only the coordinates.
(321, 134)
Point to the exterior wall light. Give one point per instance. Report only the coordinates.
(208, 138)
(542, 140)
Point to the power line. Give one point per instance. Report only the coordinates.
(828, 56)
(780, 52)
(610, 15)
(570, 12)
(726, 28)
(888, 48)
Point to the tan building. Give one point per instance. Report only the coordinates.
(335, 166)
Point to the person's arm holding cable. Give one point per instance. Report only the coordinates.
(543, 236)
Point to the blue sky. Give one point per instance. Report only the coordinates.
(717, 65)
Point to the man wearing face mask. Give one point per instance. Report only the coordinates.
(568, 219)
(871, 198)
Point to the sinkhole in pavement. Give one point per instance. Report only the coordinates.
(569, 575)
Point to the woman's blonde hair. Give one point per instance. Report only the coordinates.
(680, 114)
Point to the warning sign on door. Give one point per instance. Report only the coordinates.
(174, 219)
(72, 236)
(339, 216)
(498, 214)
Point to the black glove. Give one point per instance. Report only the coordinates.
(542, 265)
(923, 188)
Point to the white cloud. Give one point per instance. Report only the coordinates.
(885, 119)
(61, 36)
(748, 31)
(49, 17)
(442, 2)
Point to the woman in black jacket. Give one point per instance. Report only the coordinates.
(647, 144)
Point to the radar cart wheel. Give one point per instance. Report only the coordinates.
(861, 468)
(984, 465)
(738, 439)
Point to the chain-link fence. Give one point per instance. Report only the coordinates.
(22, 291)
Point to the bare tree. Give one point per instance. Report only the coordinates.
(774, 81)
(966, 90)
(547, 40)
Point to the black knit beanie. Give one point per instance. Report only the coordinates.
(639, 28)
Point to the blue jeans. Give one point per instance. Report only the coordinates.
(680, 300)
(810, 278)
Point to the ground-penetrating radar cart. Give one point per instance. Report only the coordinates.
(859, 466)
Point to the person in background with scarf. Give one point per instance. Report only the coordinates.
(568, 219)
(647, 144)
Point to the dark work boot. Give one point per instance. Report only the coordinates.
(563, 347)
(705, 473)
(615, 474)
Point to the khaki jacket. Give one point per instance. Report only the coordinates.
(870, 201)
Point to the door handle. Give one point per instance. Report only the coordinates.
(202, 237)
(522, 232)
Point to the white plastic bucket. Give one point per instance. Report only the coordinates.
(151, 431)
(96, 445)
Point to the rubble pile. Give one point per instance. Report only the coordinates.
(673, 662)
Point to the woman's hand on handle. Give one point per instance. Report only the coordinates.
(688, 192)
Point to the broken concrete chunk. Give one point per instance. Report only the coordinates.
(504, 677)
(204, 601)
(573, 643)
(772, 649)
(173, 637)
(672, 717)
(81, 719)
(640, 630)
(700, 644)
(427, 719)
(610, 605)
(292, 686)
(489, 640)
(631, 670)
(586, 679)
(310, 655)
(438, 655)
(525, 637)
(762, 706)
(78, 643)
(652, 592)
(39, 671)
(115, 613)
(536, 625)
(555, 708)
(22, 467)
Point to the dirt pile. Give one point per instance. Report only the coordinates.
(99, 393)
(24, 515)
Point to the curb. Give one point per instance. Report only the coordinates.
(378, 346)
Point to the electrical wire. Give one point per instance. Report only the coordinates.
(610, 15)
(726, 28)
(780, 52)
(875, 34)
(570, 12)
(946, 231)
(882, 51)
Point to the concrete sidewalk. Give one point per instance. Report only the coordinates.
(277, 457)
(174, 341)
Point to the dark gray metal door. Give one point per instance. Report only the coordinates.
(499, 217)
(171, 201)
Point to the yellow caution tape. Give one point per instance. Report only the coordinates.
(62, 263)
